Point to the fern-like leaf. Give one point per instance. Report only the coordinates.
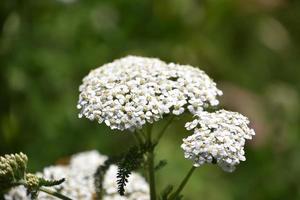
(122, 179)
(100, 173)
(132, 160)
(50, 183)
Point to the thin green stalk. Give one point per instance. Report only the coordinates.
(151, 175)
(53, 193)
(149, 132)
(150, 165)
(138, 137)
(182, 184)
(163, 130)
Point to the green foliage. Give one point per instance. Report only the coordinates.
(180, 197)
(100, 173)
(130, 161)
(34, 184)
(13, 173)
(166, 192)
(50, 183)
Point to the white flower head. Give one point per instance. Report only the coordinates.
(80, 181)
(218, 137)
(132, 91)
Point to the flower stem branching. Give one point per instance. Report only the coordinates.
(163, 130)
(182, 184)
(138, 137)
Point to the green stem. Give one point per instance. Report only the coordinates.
(163, 130)
(149, 132)
(138, 137)
(53, 193)
(151, 175)
(150, 163)
(182, 184)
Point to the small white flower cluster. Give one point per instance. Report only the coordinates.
(131, 91)
(218, 137)
(79, 182)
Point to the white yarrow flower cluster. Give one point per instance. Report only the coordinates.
(219, 138)
(79, 182)
(131, 91)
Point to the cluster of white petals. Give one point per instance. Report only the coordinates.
(79, 184)
(219, 137)
(127, 93)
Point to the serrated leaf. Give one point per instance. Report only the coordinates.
(49, 183)
(132, 160)
(99, 175)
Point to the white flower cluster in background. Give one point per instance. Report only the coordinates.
(79, 184)
(131, 91)
(219, 138)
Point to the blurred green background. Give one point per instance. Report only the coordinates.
(251, 48)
